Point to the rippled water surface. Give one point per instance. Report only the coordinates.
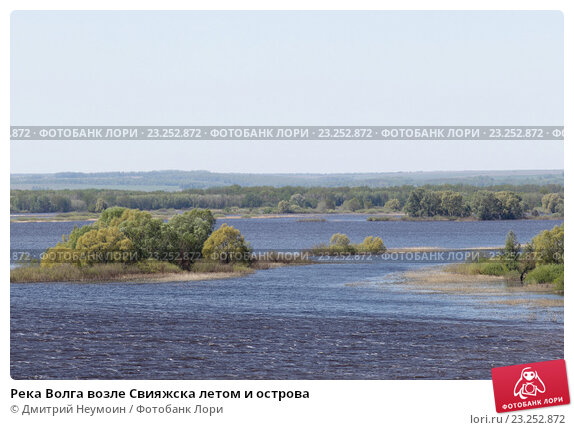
(345, 320)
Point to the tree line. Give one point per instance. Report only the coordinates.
(483, 204)
(174, 180)
(493, 202)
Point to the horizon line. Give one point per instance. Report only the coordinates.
(292, 173)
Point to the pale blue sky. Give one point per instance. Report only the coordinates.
(286, 68)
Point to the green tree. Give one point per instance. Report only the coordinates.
(352, 204)
(108, 215)
(284, 207)
(326, 204)
(101, 205)
(72, 239)
(184, 235)
(252, 200)
(549, 246)
(373, 245)
(340, 242)
(423, 203)
(41, 204)
(510, 205)
(103, 245)
(527, 261)
(511, 252)
(451, 203)
(61, 203)
(430, 203)
(227, 245)
(486, 206)
(552, 202)
(392, 205)
(413, 204)
(297, 200)
(145, 232)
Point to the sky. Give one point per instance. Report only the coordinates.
(245, 68)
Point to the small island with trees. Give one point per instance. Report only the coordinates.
(129, 244)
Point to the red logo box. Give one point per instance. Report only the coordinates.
(529, 386)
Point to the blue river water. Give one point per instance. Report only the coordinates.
(341, 320)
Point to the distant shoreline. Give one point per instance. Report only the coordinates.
(388, 217)
(176, 180)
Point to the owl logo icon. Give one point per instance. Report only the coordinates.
(529, 384)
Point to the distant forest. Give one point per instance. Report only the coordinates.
(175, 180)
(460, 200)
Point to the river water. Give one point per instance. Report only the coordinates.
(352, 319)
